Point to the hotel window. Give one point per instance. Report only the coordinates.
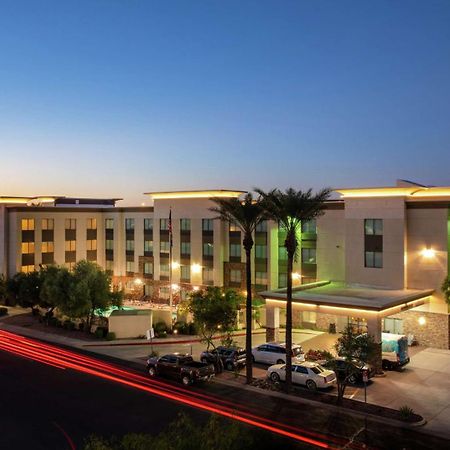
(27, 224)
(148, 224)
(70, 246)
(185, 248)
(48, 224)
(164, 247)
(164, 270)
(235, 276)
(91, 224)
(208, 275)
(164, 224)
(309, 226)
(185, 224)
(282, 254)
(308, 255)
(109, 244)
(27, 269)
(208, 249)
(109, 224)
(235, 250)
(261, 227)
(282, 280)
(48, 247)
(373, 243)
(27, 248)
(148, 246)
(109, 265)
(71, 224)
(234, 226)
(207, 225)
(148, 268)
(164, 292)
(130, 245)
(129, 224)
(70, 265)
(130, 266)
(261, 251)
(91, 244)
(185, 273)
(261, 278)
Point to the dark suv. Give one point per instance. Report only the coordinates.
(353, 369)
(232, 357)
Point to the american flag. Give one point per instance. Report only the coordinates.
(170, 228)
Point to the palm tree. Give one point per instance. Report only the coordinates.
(246, 214)
(289, 209)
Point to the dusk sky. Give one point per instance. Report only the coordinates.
(119, 97)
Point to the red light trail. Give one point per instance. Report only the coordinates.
(65, 359)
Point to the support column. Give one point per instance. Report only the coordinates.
(374, 329)
(272, 323)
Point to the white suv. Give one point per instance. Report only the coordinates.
(275, 353)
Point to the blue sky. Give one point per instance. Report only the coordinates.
(120, 97)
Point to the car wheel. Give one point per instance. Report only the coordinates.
(186, 380)
(152, 371)
(275, 377)
(311, 385)
(352, 379)
(229, 366)
(280, 361)
(386, 365)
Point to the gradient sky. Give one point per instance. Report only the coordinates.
(120, 97)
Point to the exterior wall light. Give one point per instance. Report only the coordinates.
(175, 286)
(138, 281)
(296, 276)
(428, 253)
(175, 265)
(196, 268)
(195, 288)
(422, 321)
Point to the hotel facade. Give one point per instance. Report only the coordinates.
(376, 258)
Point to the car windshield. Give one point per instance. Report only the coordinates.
(296, 351)
(186, 360)
(317, 369)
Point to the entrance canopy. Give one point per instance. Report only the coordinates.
(341, 298)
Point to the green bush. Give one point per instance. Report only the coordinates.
(192, 329)
(81, 326)
(100, 332)
(3, 311)
(53, 321)
(110, 336)
(181, 327)
(69, 325)
(160, 327)
(162, 334)
(406, 412)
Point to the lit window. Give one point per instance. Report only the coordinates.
(208, 249)
(27, 269)
(48, 224)
(129, 245)
(282, 280)
(129, 224)
(208, 275)
(109, 265)
(207, 225)
(27, 224)
(261, 278)
(185, 248)
(148, 268)
(261, 227)
(163, 224)
(109, 224)
(185, 224)
(308, 255)
(235, 276)
(130, 266)
(91, 244)
(185, 273)
(70, 246)
(109, 244)
(164, 270)
(27, 248)
(235, 250)
(48, 247)
(148, 224)
(164, 246)
(309, 226)
(261, 251)
(91, 224)
(282, 254)
(71, 224)
(148, 246)
(234, 226)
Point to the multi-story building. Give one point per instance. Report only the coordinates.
(376, 258)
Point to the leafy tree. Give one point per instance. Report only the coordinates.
(446, 289)
(214, 311)
(354, 346)
(246, 214)
(25, 288)
(289, 209)
(3, 289)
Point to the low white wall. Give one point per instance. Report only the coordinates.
(130, 326)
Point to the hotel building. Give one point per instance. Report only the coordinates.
(376, 258)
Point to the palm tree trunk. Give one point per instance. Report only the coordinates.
(248, 317)
(289, 322)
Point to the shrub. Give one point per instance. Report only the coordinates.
(160, 328)
(53, 321)
(181, 327)
(81, 326)
(406, 412)
(100, 332)
(162, 334)
(110, 336)
(3, 311)
(69, 325)
(192, 329)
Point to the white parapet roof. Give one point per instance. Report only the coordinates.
(194, 194)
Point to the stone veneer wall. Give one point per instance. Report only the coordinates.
(323, 321)
(435, 332)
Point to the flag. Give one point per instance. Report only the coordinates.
(170, 229)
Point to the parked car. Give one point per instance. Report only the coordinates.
(275, 353)
(309, 374)
(232, 357)
(180, 367)
(352, 369)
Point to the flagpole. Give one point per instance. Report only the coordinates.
(170, 261)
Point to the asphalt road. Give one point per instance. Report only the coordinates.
(43, 407)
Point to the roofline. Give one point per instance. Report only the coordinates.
(160, 195)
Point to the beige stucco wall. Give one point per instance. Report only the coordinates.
(427, 228)
(392, 211)
(128, 326)
(330, 252)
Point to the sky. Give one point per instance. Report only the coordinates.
(114, 98)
